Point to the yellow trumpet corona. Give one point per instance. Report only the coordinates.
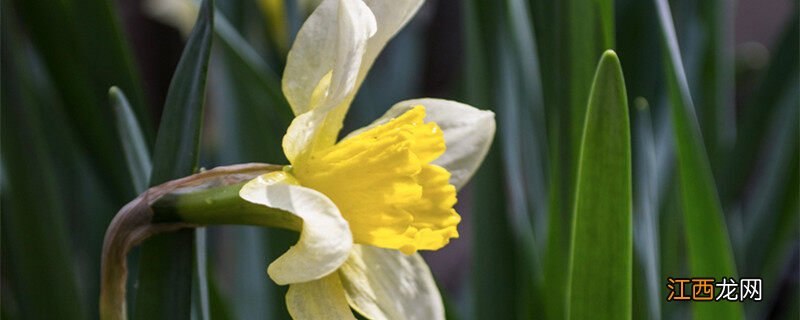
(385, 186)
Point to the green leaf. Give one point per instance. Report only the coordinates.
(138, 159)
(85, 53)
(770, 219)
(591, 31)
(177, 147)
(526, 141)
(754, 116)
(38, 268)
(218, 304)
(166, 260)
(201, 304)
(573, 34)
(262, 77)
(496, 256)
(495, 273)
(647, 284)
(515, 164)
(709, 249)
(108, 57)
(601, 262)
(256, 107)
(652, 152)
(132, 139)
(715, 72)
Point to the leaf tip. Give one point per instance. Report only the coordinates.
(114, 92)
(609, 57)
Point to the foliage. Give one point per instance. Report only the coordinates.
(684, 165)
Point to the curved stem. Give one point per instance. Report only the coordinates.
(209, 197)
(222, 205)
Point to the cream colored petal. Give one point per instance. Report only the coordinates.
(391, 16)
(327, 65)
(180, 14)
(468, 133)
(318, 299)
(321, 72)
(332, 40)
(300, 134)
(325, 239)
(387, 284)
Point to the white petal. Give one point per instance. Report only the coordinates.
(318, 299)
(300, 134)
(330, 58)
(333, 39)
(325, 239)
(468, 133)
(391, 16)
(387, 284)
(180, 14)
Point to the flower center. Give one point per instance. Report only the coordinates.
(384, 185)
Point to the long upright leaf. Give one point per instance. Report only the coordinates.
(754, 116)
(108, 55)
(573, 34)
(258, 105)
(255, 107)
(494, 271)
(591, 31)
(132, 138)
(770, 227)
(177, 145)
(85, 53)
(494, 266)
(137, 154)
(652, 153)
(519, 208)
(37, 263)
(528, 114)
(646, 204)
(262, 76)
(716, 71)
(710, 252)
(601, 261)
(201, 304)
(166, 260)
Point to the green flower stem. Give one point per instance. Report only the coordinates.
(207, 198)
(221, 205)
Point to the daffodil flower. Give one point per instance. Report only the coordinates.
(370, 201)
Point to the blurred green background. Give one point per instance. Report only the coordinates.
(727, 188)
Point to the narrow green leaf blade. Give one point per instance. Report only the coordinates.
(255, 107)
(201, 302)
(716, 78)
(177, 146)
(495, 271)
(515, 167)
(754, 116)
(133, 142)
(709, 248)
(242, 53)
(647, 285)
(38, 264)
(166, 260)
(601, 262)
(590, 32)
(84, 50)
(573, 34)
